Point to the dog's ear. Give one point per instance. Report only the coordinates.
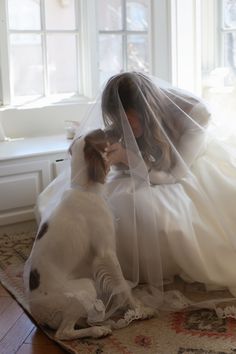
(70, 150)
(95, 144)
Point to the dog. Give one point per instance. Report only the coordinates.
(73, 270)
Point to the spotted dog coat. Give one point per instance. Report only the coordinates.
(74, 258)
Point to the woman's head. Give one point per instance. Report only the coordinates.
(125, 93)
(133, 96)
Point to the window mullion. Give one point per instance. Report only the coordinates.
(221, 40)
(42, 31)
(122, 32)
(150, 37)
(124, 36)
(44, 49)
(89, 63)
(5, 54)
(78, 47)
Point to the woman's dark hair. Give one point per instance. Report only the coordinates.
(135, 91)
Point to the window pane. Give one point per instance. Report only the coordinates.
(60, 14)
(137, 49)
(137, 15)
(229, 13)
(110, 15)
(24, 14)
(230, 50)
(26, 64)
(110, 55)
(62, 63)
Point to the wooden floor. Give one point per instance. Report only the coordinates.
(18, 334)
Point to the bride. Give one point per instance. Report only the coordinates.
(171, 188)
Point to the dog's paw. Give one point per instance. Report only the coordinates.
(146, 312)
(140, 310)
(100, 331)
(64, 335)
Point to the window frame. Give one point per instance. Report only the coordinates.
(5, 98)
(160, 44)
(85, 50)
(213, 36)
(125, 32)
(222, 31)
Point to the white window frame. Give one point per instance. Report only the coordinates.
(165, 34)
(165, 61)
(124, 32)
(4, 56)
(213, 36)
(222, 31)
(210, 35)
(86, 49)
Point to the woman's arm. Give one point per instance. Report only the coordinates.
(191, 144)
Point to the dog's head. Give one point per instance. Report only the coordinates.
(89, 150)
(95, 144)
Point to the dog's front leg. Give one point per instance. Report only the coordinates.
(66, 331)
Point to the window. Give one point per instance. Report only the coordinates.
(219, 59)
(43, 41)
(228, 34)
(123, 36)
(54, 47)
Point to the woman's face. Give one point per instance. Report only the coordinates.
(135, 123)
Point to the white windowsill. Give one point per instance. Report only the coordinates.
(42, 102)
(29, 147)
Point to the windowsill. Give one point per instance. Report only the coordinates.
(42, 102)
(29, 147)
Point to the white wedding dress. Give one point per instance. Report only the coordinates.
(196, 243)
(195, 216)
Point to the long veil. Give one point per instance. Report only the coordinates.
(168, 215)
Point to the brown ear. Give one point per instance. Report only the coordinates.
(72, 144)
(95, 162)
(70, 148)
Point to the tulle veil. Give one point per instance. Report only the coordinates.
(159, 159)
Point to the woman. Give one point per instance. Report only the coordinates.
(172, 188)
(160, 122)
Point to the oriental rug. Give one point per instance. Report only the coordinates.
(192, 332)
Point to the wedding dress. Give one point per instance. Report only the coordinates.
(179, 220)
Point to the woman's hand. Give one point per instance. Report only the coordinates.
(115, 154)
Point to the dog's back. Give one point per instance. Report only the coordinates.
(67, 241)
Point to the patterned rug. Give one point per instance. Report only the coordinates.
(192, 332)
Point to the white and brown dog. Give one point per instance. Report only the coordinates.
(73, 261)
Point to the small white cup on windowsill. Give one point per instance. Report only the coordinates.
(70, 128)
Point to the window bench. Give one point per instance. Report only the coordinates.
(27, 166)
